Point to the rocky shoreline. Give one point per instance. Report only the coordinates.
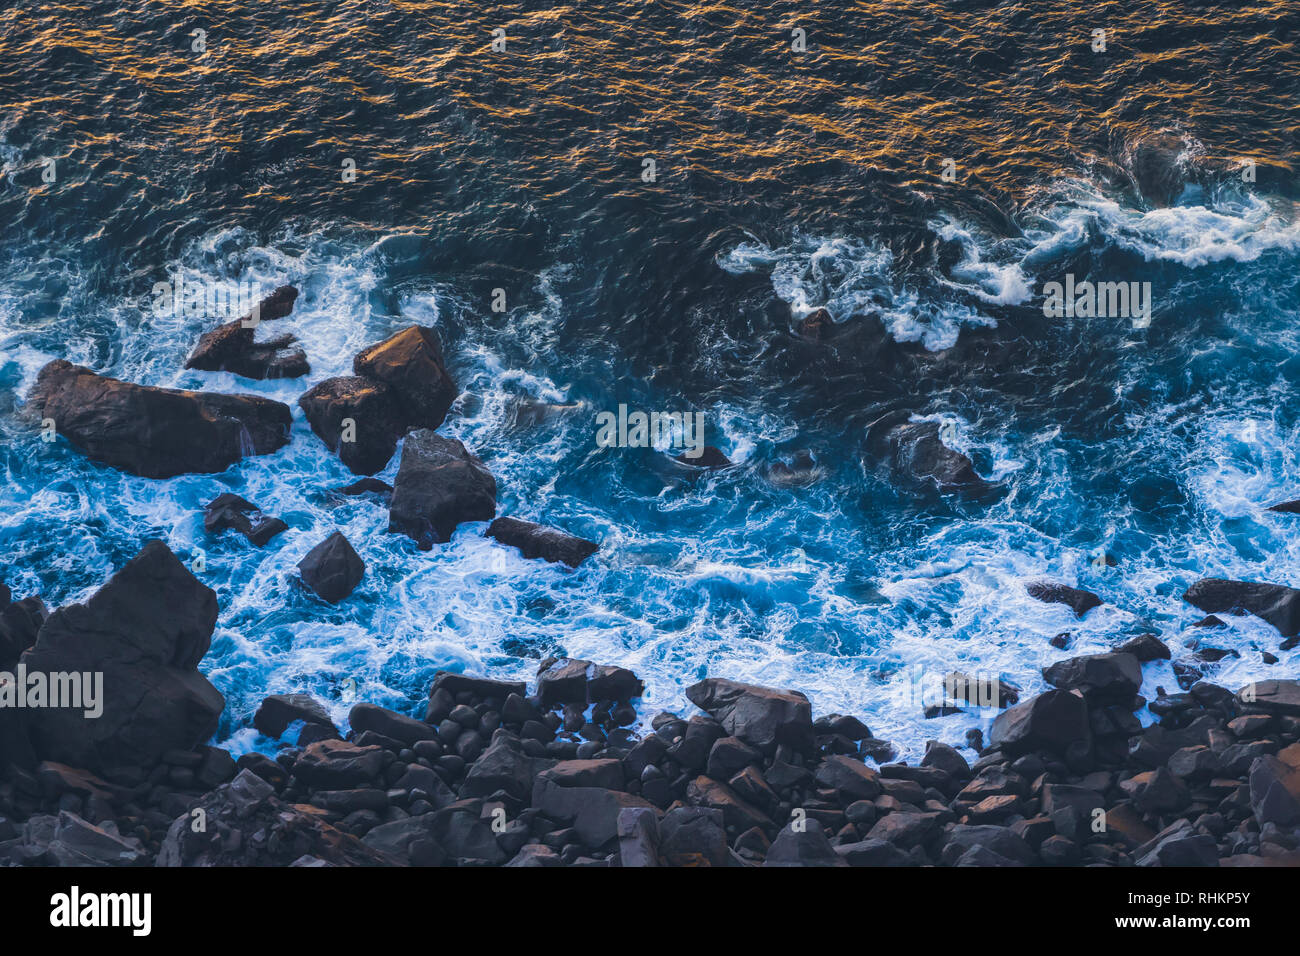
(568, 770)
(567, 773)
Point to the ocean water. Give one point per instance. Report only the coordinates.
(786, 181)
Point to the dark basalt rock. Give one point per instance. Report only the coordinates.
(390, 724)
(1287, 507)
(332, 569)
(760, 716)
(1280, 697)
(411, 364)
(439, 485)
(19, 623)
(367, 443)
(915, 451)
(247, 825)
(155, 432)
(277, 712)
(1157, 172)
(1278, 605)
(816, 325)
(806, 846)
(1099, 677)
(1076, 599)
(146, 630)
(231, 347)
(1051, 721)
(231, 511)
(538, 541)
(369, 486)
(1146, 647)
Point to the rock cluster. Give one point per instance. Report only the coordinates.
(231, 347)
(569, 775)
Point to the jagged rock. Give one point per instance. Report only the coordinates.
(277, 712)
(338, 765)
(1000, 840)
(75, 842)
(562, 681)
(231, 347)
(537, 541)
(410, 362)
(904, 829)
(1280, 697)
(1099, 677)
(155, 432)
(536, 854)
(592, 811)
(410, 840)
(738, 815)
(1053, 720)
(760, 716)
(145, 630)
(1145, 647)
(358, 419)
(693, 836)
(616, 684)
(390, 724)
(247, 825)
(1278, 605)
(368, 486)
(439, 485)
(872, 853)
(332, 569)
(1076, 599)
(231, 511)
(19, 623)
(638, 837)
(1274, 792)
(849, 778)
(1286, 507)
(806, 846)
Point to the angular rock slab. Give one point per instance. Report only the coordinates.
(411, 364)
(1278, 605)
(439, 485)
(156, 432)
(146, 631)
(539, 541)
(358, 419)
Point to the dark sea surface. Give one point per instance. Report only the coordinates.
(786, 181)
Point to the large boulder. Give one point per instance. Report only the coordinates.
(145, 631)
(231, 347)
(439, 485)
(760, 716)
(332, 569)
(539, 541)
(1278, 605)
(1054, 721)
(357, 418)
(916, 452)
(155, 432)
(410, 362)
(1273, 696)
(1099, 677)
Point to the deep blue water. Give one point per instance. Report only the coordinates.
(785, 182)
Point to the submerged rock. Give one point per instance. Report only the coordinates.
(156, 432)
(1278, 605)
(231, 347)
(231, 511)
(332, 569)
(410, 362)
(916, 452)
(146, 631)
(1287, 507)
(1076, 599)
(709, 457)
(358, 419)
(539, 541)
(439, 485)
